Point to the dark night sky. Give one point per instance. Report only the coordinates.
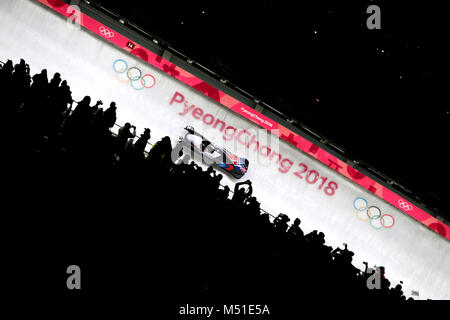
(380, 94)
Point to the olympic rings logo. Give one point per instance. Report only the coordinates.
(106, 32)
(405, 205)
(373, 214)
(133, 75)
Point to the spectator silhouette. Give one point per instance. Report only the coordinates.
(123, 136)
(40, 82)
(223, 194)
(161, 152)
(141, 143)
(295, 231)
(54, 83)
(109, 116)
(240, 194)
(280, 224)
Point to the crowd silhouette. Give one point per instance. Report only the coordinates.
(137, 221)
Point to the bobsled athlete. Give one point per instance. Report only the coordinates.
(214, 155)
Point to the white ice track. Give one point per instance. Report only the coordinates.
(409, 251)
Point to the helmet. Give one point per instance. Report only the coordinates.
(190, 129)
